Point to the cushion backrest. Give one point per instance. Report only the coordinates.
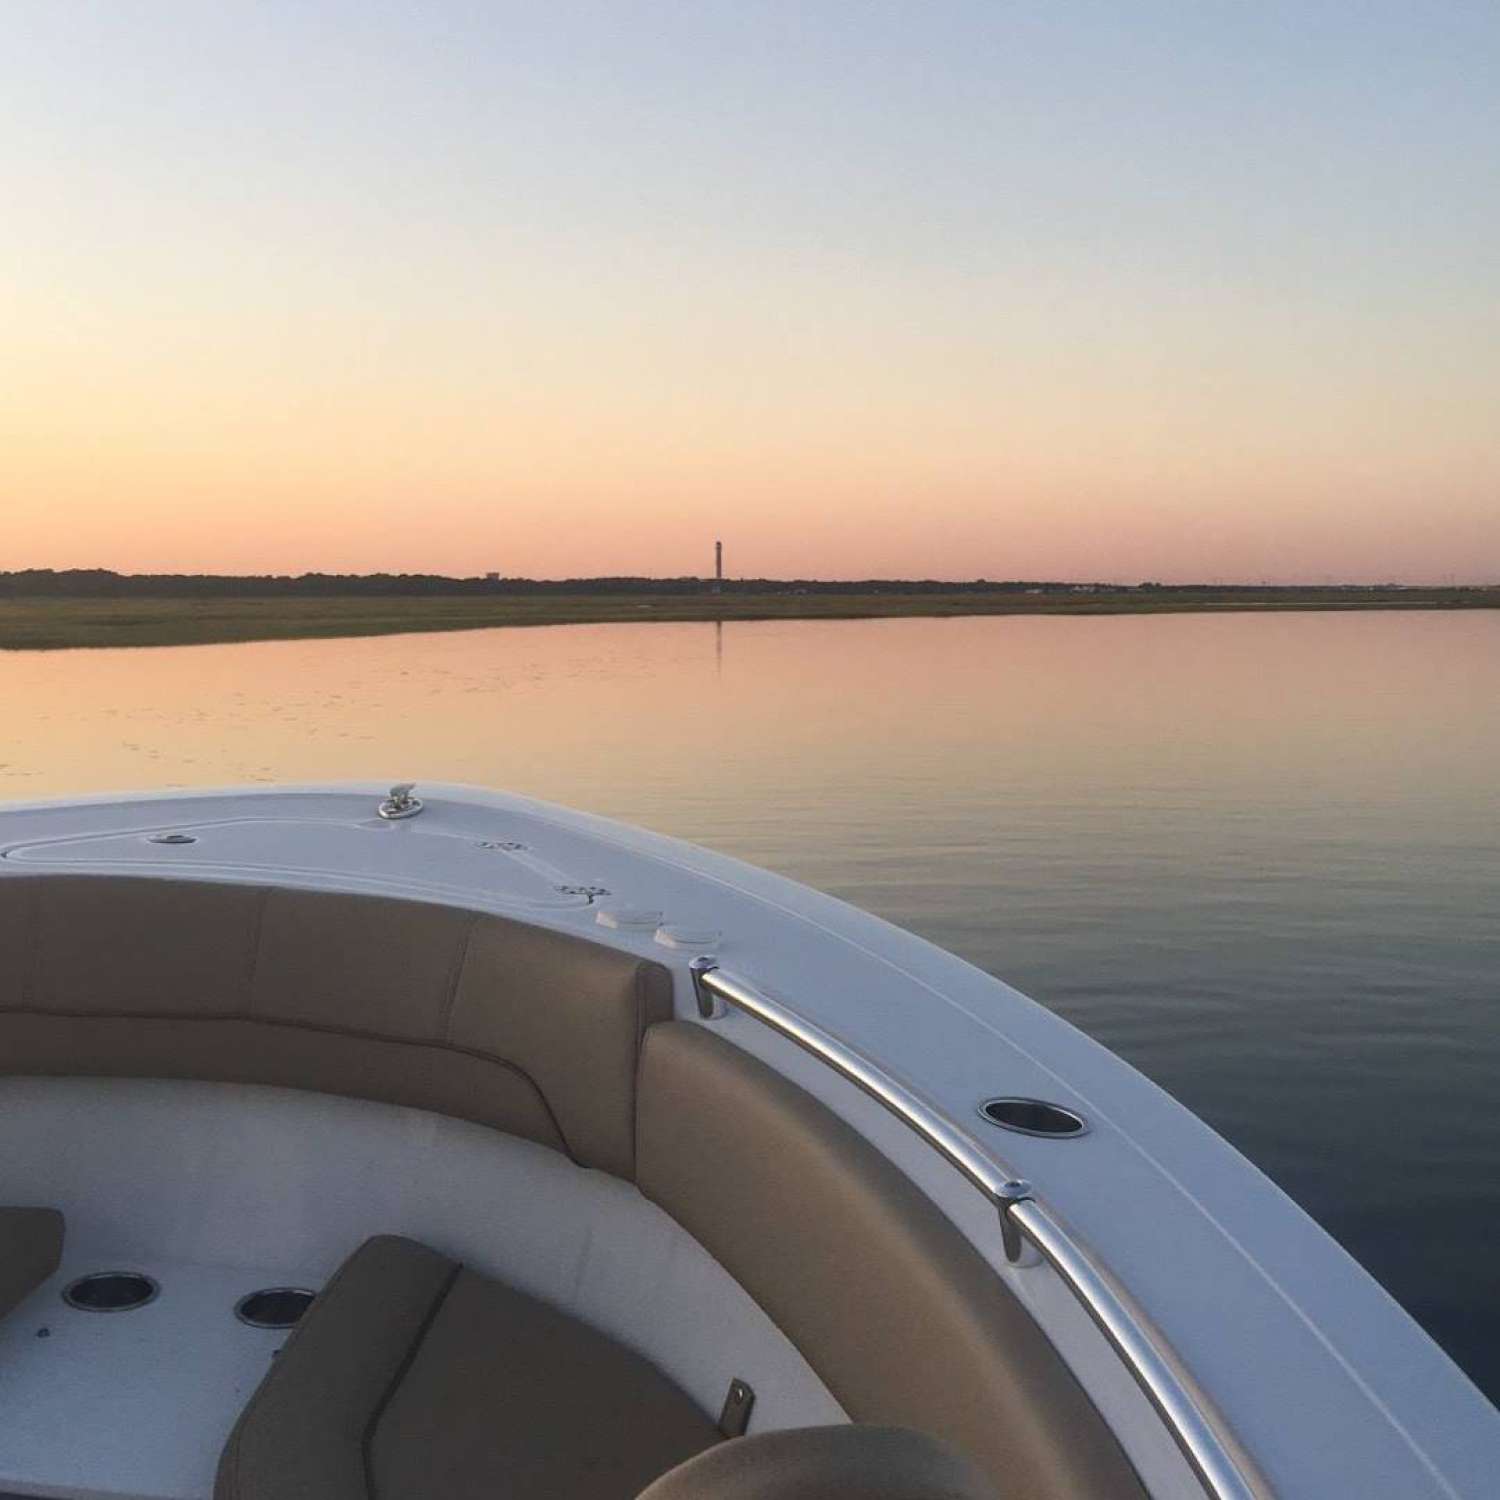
(31, 1242)
(471, 1015)
(904, 1321)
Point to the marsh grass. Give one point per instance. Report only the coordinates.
(40, 624)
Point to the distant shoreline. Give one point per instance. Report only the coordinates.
(45, 623)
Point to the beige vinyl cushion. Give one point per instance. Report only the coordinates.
(530, 1031)
(827, 1463)
(412, 1379)
(889, 1303)
(31, 1242)
(103, 946)
(510, 1397)
(232, 1049)
(302, 1436)
(571, 1015)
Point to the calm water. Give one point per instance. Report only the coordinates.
(1256, 855)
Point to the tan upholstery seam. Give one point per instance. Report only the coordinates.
(288, 1023)
(455, 977)
(291, 1025)
(309, 1318)
(230, 1461)
(31, 983)
(400, 1374)
(257, 931)
(635, 1137)
(640, 1005)
(640, 1039)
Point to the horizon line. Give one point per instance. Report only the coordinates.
(926, 581)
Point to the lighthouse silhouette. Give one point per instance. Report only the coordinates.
(718, 567)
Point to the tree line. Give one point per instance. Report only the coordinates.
(102, 583)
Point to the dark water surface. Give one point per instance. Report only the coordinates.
(1258, 855)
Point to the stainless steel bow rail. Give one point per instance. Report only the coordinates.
(1224, 1471)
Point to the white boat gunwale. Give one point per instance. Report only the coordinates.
(1224, 1469)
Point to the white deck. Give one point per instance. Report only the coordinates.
(134, 1405)
(217, 1190)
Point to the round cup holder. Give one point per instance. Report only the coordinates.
(110, 1291)
(273, 1306)
(1034, 1117)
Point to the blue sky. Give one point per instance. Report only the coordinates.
(1078, 285)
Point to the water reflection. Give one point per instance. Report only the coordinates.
(1255, 854)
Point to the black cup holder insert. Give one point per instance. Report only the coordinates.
(273, 1306)
(110, 1291)
(1033, 1117)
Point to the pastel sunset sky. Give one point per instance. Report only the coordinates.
(947, 288)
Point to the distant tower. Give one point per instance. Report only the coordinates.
(718, 567)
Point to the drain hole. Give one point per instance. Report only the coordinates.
(1033, 1117)
(275, 1307)
(110, 1291)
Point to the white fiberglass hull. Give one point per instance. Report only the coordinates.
(1311, 1380)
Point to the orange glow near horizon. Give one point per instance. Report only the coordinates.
(202, 461)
